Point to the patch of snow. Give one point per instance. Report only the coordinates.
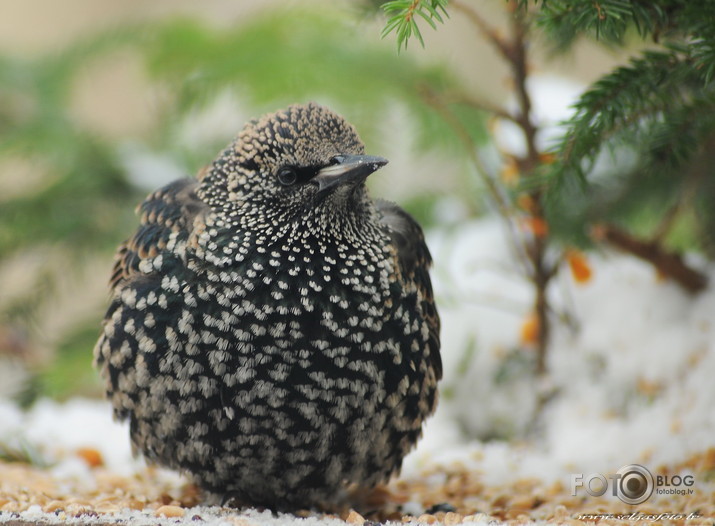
(632, 373)
(552, 103)
(59, 429)
(149, 170)
(11, 417)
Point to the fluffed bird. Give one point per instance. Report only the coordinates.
(272, 329)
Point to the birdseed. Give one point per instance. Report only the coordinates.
(106, 497)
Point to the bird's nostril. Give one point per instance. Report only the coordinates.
(337, 159)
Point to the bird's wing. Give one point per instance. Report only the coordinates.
(414, 262)
(170, 211)
(170, 220)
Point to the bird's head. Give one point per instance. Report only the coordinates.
(299, 157)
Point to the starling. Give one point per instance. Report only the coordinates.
(272, 329)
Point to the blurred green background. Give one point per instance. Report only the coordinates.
(101, 102)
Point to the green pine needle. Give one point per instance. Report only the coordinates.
(402, 18)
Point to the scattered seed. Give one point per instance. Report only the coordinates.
(451, 518)
(168, 510)
(53, 506)
(354, 518)
(426, 519)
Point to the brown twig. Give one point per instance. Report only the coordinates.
(541, 272)
(513, 50)
(504, 209)
(456, 97)
(486, 30)
(519, 66)
(667, 263)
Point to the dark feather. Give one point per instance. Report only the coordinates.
(415, 261)
(170, 209)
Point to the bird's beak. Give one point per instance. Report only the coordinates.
(348, 169)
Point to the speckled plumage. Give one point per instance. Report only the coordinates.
(272, 330)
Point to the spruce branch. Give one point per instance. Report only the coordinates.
(541, 270)
(403, 17)
(623, 103)
(606, 20)
(667, 263)
(673, 140)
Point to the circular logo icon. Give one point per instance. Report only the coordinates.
(635, 484)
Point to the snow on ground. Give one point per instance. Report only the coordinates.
(631, 370)
(630, 373)
(208, 517)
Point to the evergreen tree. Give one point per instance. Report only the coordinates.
(652, 196)
(655, 117)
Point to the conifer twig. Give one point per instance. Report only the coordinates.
(513, 50)
(490, 33)
(541, 271)
(434, 100)
(481, 105)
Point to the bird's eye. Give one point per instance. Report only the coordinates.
(287, 176)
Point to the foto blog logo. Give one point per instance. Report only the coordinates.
(632, 484)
